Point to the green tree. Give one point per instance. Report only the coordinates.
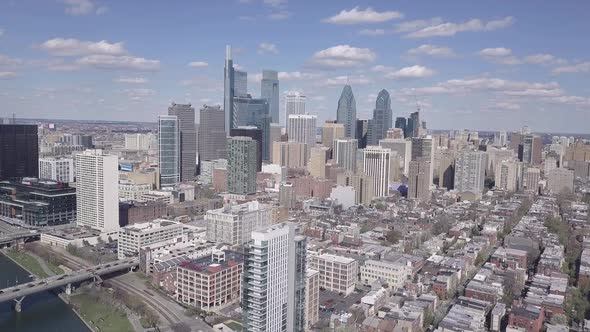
(576, 305)
(393, 237)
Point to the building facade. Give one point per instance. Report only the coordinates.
(133, 237)
(337, 273)
(470, 168)
(233, 224)
(346, 111)
(294, 105)
(376, 164)
(185, 114)
(212, 134)
(19, 151)
(57, 169)
(344, 154)
(382, 118)
(250, 111)
(269, 90)
(241, 166)
(168, 150)
(302, 129)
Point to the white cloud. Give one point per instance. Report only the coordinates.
(417, 24)
(287, 76)
(539, 59)
(382, 69)
(131, 80)
(7, 61)
(63, 67)
(7, 75)
(506, 106)
(448, 29)
(571, 100)
(267, 48)
(500, 55)
(74, 47)
(582, 67)
(119, 62)
(372, 32)
(275, 3)
(362, 16)
(342, 56)
(412, 72)
(432, 50)
(82, 7)
(139, 94)
(279, 16)
(495, 52)
(198, 64)
(342, 80)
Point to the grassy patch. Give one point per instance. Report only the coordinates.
(28, 262)
(100, 316)
(55, 269)
(235, 326)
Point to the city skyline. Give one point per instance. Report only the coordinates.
(467, 66)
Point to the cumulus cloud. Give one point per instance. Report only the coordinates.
(362, 16)
(119, 62)
(288, 76)
(198, 64)
(447, 29)
(267, 48)
(82, 7)
(412, 72)
(75, 47)
(342, 80)
(582, 67)
(372, 32)
(432, 50)
(7, 61)
(7, 75)
(500, 55)
(131, 80)
(139, 94)
(342, 56)
(409, 26)
(495, 52)
(540, 59)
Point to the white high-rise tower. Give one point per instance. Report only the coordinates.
(376, 162)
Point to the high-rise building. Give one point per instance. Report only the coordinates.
(561, 180)
(185, 114)
(19, 151)
(302, 129)
(287, 197)
(317, 161)
(400, 122)
(376, 164)
(532, 176)
(233, 224)
(413, 125)
(470, 168)
(362, 184)
(139, 142)
(345, 153)
(212, 134)
(445, 168)
(402, 147)
(254, 133)
(529, 148)
(346, 112)
(422, 147)
(250, 111)
(57, 169)
(273, 287)
(97, 190)
(362, 130)
(312, 298)
(382, 118)
(508, 175)
(294, 104)
(269, 90)
(289, 154)
(330, 132)
(241, 166)
(419, 179)
(395, 133)
(501, 138)
(168, 150)
(235, 83)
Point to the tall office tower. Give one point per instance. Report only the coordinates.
(414, 125)
(77, 139)
(419, 179)
(400, 122)
(241, 166)
(345, 153)
(560, 180)
(233, 224)
(97, 190)
(444, 168)
(507, 175)
(19, 151)
(422, 147)
(269, 90)
(515, 141)
(275, 136)
(330, 132)
(362, 130)
(234, 84)
(501, 138)
(294, 104)
(273, 283)
(212, 134)
(382, 118)
(470, 170)
(376, 164)
(57, 169)
(346, 112)
(255, 134)
(188, 139)
(317, 161)
(289, 154)
(302, 129)
(532, 176)
(362, 184)
(402, 147)
(168, 150)
(250, 111)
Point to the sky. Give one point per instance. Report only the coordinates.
(482, 65)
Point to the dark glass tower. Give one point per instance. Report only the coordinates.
(346, 112)
(362, 129)
(255, 134)
(382, 118)
(19, 151)
(400, 122)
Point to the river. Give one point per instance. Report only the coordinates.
(43, 312)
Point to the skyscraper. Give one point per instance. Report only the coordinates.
(345, 153)
(422, 147)
(289, 154)
(346, 112)
(400, 122)
(532, 175)
(413, 126)
(330, 132)
(470, 169)
(97, 190)
(376, 164)
(317, 161)
(294, 104)
(235, 83)
(241, 166)
(185, 114)
(302, 129)
(255, 134)
(419, 179)
(19, 151)
(168, 150)
(382, 118)
(273, 287)
(269, 90)
(362, 130)
(250, 111)
(212, 134)
(402, 147)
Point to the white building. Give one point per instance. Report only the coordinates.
(57, 169)
(532, 176)
(344, 195)
(131, 191)
(345, 153)
(135, 236)
(337, 273)
(97, 190)
(470, 170)
(294, 104)
(560, 179)
(233, 224)
(507, 175)
(393, 273)
(376, 164)
(140, 142)
(402, 147)
(302, 129)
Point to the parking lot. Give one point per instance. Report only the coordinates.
(332, 302)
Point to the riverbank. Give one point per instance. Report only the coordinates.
(99, 316)
(26, 263)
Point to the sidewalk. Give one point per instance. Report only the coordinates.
(42, 263)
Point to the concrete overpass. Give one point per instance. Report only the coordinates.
(19, 292)
(18, 238)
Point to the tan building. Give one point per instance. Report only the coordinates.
(362, 184)
(507, 175)
(394, 273)
(289, 154)
(330, 132)
(312, 298)
(560, 179)
(210, 282)
(317, 161)
(419, 179)
(337, 273)
(395, 133)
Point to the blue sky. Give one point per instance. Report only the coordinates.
(470, 64)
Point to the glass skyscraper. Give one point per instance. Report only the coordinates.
(168, 150)
(248, 111)
(400, 122)
(382, 118)
(185, 114)
(346, 112)
(269, 90)
(241, 165)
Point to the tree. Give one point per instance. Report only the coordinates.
(559, 319)
(393, 237)
(428, 318)
(576, 305)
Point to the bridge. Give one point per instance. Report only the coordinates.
(19, 292)
(18, 238)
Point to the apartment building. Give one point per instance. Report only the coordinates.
(133, 237)
(337, 273)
